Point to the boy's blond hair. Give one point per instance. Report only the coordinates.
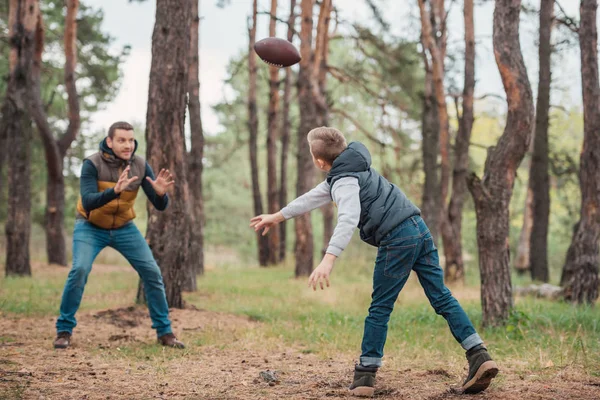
(326, 143)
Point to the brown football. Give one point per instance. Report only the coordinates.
(277, 52)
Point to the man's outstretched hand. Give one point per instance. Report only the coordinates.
(124, 181)
(162, 182)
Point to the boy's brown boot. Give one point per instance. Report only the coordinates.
(169, 340)
(364, 381)
(62, 341)
(482, 369)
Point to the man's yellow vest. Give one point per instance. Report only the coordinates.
(119, 211)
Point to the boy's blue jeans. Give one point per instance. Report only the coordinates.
(410, 247)
(88, 241)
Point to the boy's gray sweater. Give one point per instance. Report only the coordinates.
(364, 199)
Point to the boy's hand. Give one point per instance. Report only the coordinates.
(123, 181)
(322, 272)
(266, 221)
(162, 182)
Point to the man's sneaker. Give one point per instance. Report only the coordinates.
(170, 340)
(62, 341)
(482, 369)
(364, 381)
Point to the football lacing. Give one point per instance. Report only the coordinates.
(274, 65)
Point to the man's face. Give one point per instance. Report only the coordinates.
(122, 144)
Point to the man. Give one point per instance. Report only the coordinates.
(110, 180)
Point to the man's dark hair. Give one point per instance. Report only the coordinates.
(119, 125)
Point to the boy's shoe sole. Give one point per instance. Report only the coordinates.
(484, 375)
(363, 391)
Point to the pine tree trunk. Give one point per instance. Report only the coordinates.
(539, 179)
(18, 222)
(492, 194)
(196, 154)
(54, 220)
(580, 273)
(24, 22)
(55, 190)
(524, 246)
(165, 123)
(430, 203)
(272, 135)
(306, 171)
(285, 134)
(455, 268)
(437, 66)
(263, 241)
(320, 70)
(431, 208)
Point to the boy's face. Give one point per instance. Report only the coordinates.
(122, 144)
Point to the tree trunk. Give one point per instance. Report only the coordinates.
(430, 203)
(580, 273)
(539, 179)
(492, 194)
(55, 190)
(524, 246)
(272, 134)
(165, 121)
(285, 134)
(56, 150)
(196, 154)
(432, 207)
(306, 171)
(455, 268)
(320, 72)
(437, 54)
(2, 162)
(24, 22)
(263, 241)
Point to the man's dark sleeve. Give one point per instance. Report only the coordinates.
(159, 202)
(91, 198)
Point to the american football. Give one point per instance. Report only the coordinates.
(277, 52)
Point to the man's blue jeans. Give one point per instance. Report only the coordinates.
(406, 248)
(88, 241)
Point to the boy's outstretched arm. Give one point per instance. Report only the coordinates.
(317, 197)
(346, 194)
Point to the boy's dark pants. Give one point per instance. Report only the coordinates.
(409, 247)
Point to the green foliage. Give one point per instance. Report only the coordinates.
(98, 77)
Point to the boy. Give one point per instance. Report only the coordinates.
(105, 218)
(388, 220)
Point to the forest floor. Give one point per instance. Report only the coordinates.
(233, 354)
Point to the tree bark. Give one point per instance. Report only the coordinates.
(196, 154)
(437, 54)
(433, 203)
(285, 134)
(492, 193)
(56, 150)
(430, 203)
(306, 171)
(263, 241)
(539, 179)
(580, 273)
(165, 121)
(24, 22)
(524, 246)
(272, 134)
(455, 268)
(320, 71)
(55, 191)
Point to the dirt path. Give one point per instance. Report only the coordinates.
(114, 357)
